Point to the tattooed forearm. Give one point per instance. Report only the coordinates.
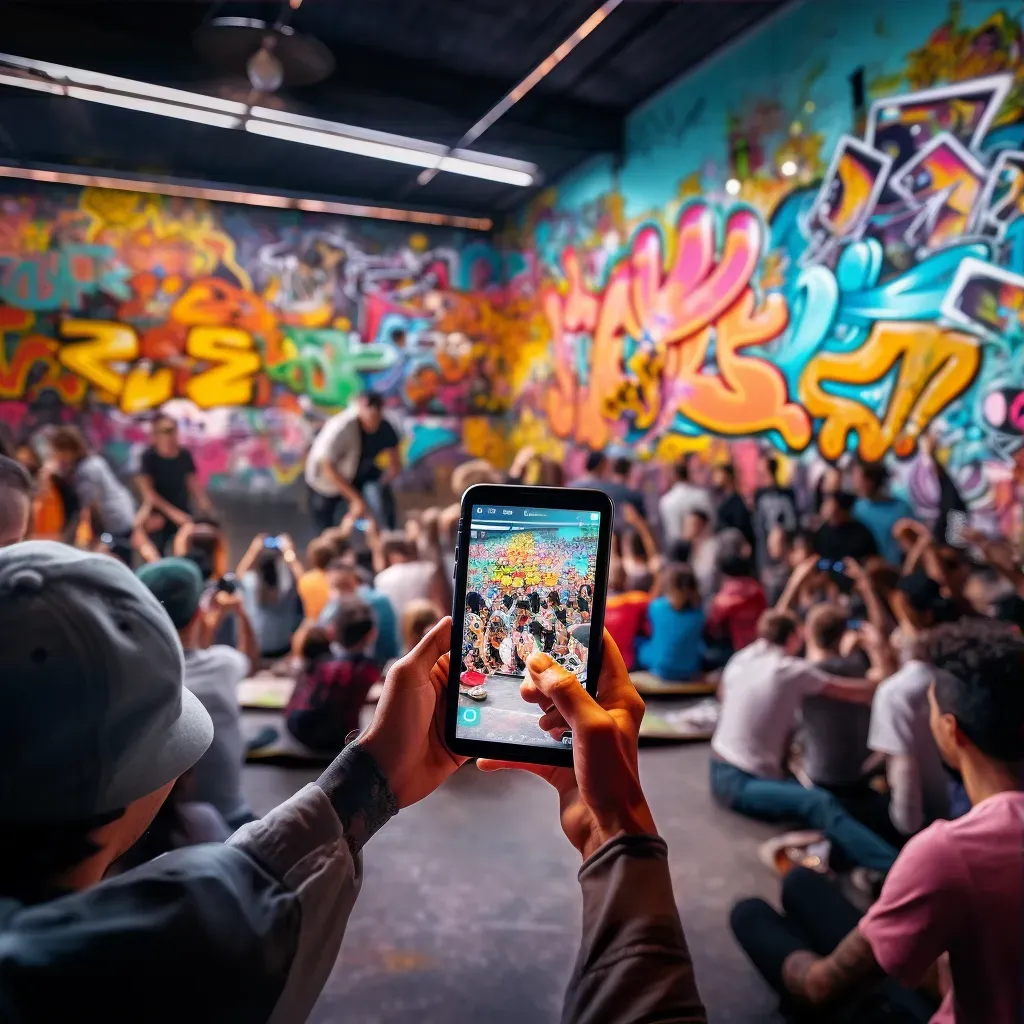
(359, 793)
(823, 980)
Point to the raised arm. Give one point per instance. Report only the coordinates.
(652, 555)
(999, 555)
(796, 580)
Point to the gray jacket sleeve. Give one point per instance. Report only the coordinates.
(244, 931)
(633, 963)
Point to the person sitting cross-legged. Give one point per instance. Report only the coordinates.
(954, 899)
(763, 687)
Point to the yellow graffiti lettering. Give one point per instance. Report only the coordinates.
(935, 366)
(97, 344)
(231, 380)
(145, 389)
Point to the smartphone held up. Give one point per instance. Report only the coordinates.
(530, 576)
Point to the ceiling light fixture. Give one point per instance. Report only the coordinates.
(514, 95)
(386, 151)
(148, 106)
(188, 106)
(789, 168)
(733, 186)
(225, 195)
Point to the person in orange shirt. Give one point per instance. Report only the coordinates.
(49, 518)
(313, 585)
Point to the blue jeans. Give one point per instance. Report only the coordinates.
(787, 800)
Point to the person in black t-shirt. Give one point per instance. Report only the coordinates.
(378, 443)
(733, 513)
(774, 507)
(841, 536)
(167, 481)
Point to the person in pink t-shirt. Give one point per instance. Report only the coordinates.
(950, 914)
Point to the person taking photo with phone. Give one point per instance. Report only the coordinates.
(258, 922)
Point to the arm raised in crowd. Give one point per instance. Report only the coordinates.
(795, 582)
(633, 962)
(1000, 555)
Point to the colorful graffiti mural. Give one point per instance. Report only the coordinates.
(252, 325)
(819, 301)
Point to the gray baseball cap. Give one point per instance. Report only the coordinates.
(93, 710)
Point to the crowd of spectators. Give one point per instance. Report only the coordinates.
(868, 668)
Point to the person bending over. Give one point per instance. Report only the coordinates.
(343, 465)
(249, 931)
(212, 673)
(954, 899)
(103, 501)
(330, 691)
(762, 690)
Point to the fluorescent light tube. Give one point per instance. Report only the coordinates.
(386, 151)
(147, 106)
(80, 76)
(26, 82)
(189, 106)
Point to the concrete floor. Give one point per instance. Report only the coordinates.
(470, 911)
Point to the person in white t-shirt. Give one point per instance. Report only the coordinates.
(763, 687)
(679, 501)
(900, 731)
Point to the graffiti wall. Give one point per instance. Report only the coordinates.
(822, 256)
(250, 326)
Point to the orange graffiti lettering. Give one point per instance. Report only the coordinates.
(671, 300)
(935, 366)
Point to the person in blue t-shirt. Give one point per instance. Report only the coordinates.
(877, 510)
(675, 622)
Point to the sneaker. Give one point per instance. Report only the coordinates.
(475, 693)
(796, 850)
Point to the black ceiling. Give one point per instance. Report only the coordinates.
(423, 68)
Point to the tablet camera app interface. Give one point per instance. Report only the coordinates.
(529, 587)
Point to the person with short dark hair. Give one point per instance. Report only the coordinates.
(732, 513)
(674, 643)
(343, 467)
(102, 498)
(736, 608)
(841, 536)
(877, 509)
(15, 501)
(763, 688)
(323, 713)
(775, 508)
(167, 480)
(682, 498)
(212, 673)
(622, 470)
(957, 888)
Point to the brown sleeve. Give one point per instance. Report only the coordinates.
(633, 963)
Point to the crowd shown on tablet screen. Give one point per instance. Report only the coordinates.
(868, 666)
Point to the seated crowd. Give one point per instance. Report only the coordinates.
(869, 686)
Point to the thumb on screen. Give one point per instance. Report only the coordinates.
(563, 689)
